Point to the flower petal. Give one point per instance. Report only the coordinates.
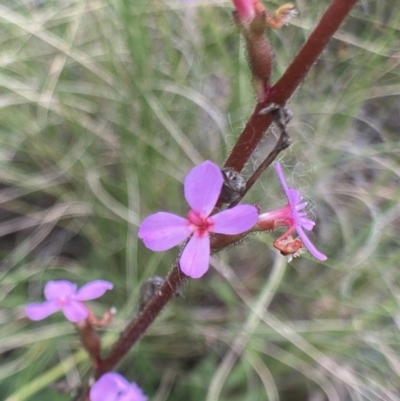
(60, 288)
(106, 388)
(134, 393)
(294, 198)
(301, 206)
(307, 223)
(42, 310)
(309, 245)
(93, 290)
(75, 311)
(236, 220)
(202, 187)
(281, 177)
(122, 383)
(196, 256)
(162, 231)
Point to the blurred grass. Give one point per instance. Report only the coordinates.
(105, 106)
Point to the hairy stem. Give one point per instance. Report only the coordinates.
(247, 143)
(135, 329)
(281, 145)
(287, 84)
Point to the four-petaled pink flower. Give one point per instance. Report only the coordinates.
(292, 215)
(63, 294)
(114, 387)
(202, 187)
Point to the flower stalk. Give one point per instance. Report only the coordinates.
(243, 149)
(287, 84)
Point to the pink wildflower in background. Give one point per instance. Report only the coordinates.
(292, 215)
(63, 295)
(202, 187)
(114, 387)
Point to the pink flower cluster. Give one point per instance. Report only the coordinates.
(162, 231)
(202, 188)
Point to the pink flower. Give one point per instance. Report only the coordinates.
(63, 295)
(114, 387)
(245, 9)
(202, 187)
(292, 215)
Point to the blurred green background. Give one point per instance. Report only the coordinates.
(105, 105)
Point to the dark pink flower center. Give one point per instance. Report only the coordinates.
(288, 214)
(283, 217)
(201, 226)
(63, 300)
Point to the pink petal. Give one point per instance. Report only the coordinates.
(307, 223)
(236, 220)
(196, 256)
(57, 289)
(281, 177)
(114, 387)
(105, 389)
(162, 231)
(245, 9)
(122, 383)
(75, 311)
(41, 311)
(202, 187)
(301, 206)
(93, 290)
(294, 198)
(134, 393)
(309, 245)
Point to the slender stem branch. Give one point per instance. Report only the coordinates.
(135, 329)
(287, 84)
(281, 145)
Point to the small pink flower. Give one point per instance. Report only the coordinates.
(114, 387)
(292, 215)
(245, 9)
(63, 295)
(202, 187)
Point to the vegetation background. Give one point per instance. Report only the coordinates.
(105, 105)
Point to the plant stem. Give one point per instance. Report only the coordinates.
(282, 144)
(245, 146)
(287, 84)
(135, 329)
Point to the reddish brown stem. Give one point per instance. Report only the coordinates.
(138, 326)
(287, 84)
(242, 151)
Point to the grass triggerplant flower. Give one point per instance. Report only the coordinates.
(292, 216)
(63, 295)
(114, 387)
(202, 188)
